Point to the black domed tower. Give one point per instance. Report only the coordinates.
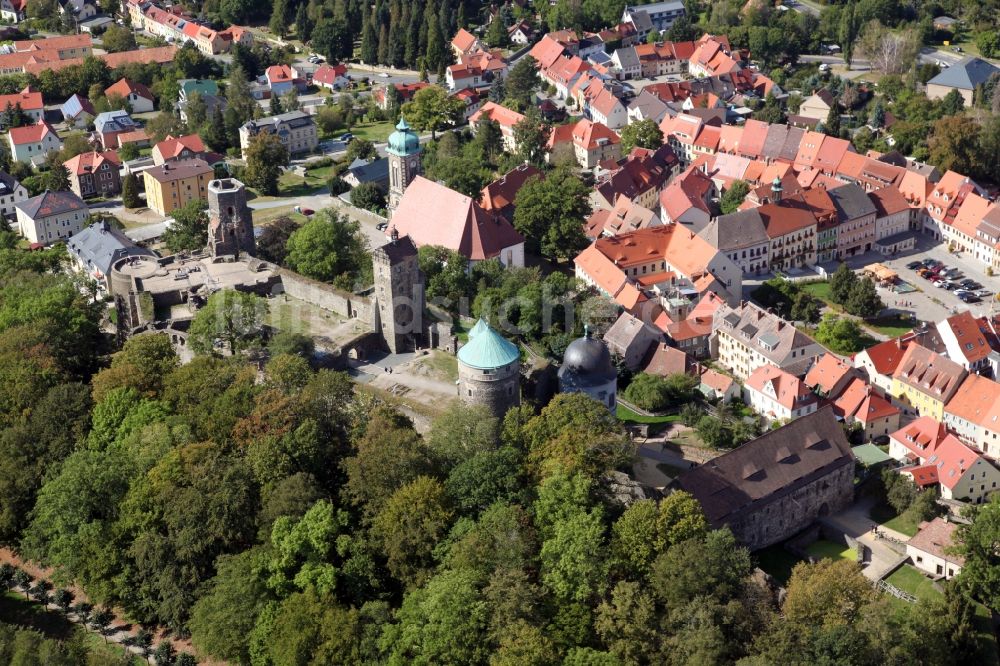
(587, 368)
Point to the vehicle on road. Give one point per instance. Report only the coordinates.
(824, 67)
(381, 226)
(347, 137)
(956, 49)
(383, 75)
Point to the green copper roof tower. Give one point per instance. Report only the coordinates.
(404, 162)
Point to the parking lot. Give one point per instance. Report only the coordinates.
(933, 303)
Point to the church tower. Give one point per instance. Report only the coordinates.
(404, 162)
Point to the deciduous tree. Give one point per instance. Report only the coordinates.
(233, 318)
(265, 156)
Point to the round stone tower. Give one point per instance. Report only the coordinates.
(587, 368)
(489, 370)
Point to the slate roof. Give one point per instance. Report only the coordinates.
(737, 230)
(965, 74)
(100, 245)
(49, 203)
(851, 202)
(376, 171)
(771, 466)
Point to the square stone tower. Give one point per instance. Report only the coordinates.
(230, 226)
(399, 294)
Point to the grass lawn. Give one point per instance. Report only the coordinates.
(892, 325)
(625, 414)
(374, 132)
(689, 438)
(909, 579)
(442, 365)
(906, 522)
(777, 561)
(820, 290)
(831, 550)
(291, 184)
(265, 215)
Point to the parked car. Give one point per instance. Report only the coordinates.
(381, 226)
(346, 137)
(308, 212)
(984, 293)
(970, 284)
(956, 49)
(914, 265)
(967, 298)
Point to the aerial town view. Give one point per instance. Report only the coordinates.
(499, 333)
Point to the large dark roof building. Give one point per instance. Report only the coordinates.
(778, 484)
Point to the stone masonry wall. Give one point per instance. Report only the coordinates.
(327, 297)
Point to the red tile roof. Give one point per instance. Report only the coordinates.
(464, 40)
(788, 390)
(172, 147)
(503, 116)
(827, 373)
(29, 100)
(279, 74)
(124, 87)
(460, 223)
(30, 133)
(85, 163)
(328, 74)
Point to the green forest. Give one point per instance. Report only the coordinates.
(288, 516)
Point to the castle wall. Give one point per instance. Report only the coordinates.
(795, 510)
(328, 297)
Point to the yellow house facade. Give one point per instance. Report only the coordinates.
(173, 184)
(918, 401)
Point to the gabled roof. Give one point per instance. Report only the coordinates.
(952, 459)
(852, 202)
(784, 388)
(686, 253)
(745, 479)
(279, 74)
(965, 329)
(546, 51)
(860, 402)
(921, 436)
(432, 214)
(978, 402)
(937, 537)
(172, 147)
(931, 374)
(503, 116)
(85, 163)
(464, 40)
(76, 105)
(827, 373)
(124, 88)
(737, 230)
(328, 74)
(114, 121)
(500, 195)
(27, 99)
(20, 136)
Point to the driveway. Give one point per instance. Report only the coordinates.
(856, 523)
